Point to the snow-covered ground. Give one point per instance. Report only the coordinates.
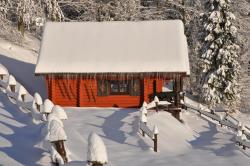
(195, 143)
(20, 62)
(19, 137)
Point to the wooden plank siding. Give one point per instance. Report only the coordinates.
(83, 92)
(64, 91)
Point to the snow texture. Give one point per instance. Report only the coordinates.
(97, 151)
(115, 47)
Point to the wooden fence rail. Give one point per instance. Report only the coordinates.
(228, 121)
(153, 134)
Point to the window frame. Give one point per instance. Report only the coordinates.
(118, 82)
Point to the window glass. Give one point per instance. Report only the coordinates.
(168, 86)
(118, 87)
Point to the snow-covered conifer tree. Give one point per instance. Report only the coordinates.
(53, 10)
(25, 13)
(219, 60)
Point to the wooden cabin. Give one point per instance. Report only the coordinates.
(112, 64)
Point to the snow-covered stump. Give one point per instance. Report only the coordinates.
(22, 92)
(47, 107)
(3, 72)
(56, 134)
(97, 152)
(38, 101)
(59, 112)
(12, 83)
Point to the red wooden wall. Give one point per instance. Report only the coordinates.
(83, 93)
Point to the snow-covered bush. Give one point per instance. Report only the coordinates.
(219, 60)
(97, 153)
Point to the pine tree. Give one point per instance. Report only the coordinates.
(219, 59)
(53, 10)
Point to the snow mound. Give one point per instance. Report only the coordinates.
(96, 149)
(171, 132)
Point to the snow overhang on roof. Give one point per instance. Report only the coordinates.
(113, 47)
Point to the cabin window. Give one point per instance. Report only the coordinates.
(168, 86)
(115, 87)
(119, 87)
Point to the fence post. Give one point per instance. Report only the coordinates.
(156, 100)
(143, 120)
(155, 138)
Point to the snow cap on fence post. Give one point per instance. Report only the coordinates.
(143, 118)
(243, 137)
(156, 130)
(59, 112)
(144, 110)
(47, 106)
(156, 99)
(38, 101)
(97, 152)
(144, 104)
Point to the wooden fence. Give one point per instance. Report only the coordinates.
(228, 121)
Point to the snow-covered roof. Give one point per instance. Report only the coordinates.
(113, 47)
